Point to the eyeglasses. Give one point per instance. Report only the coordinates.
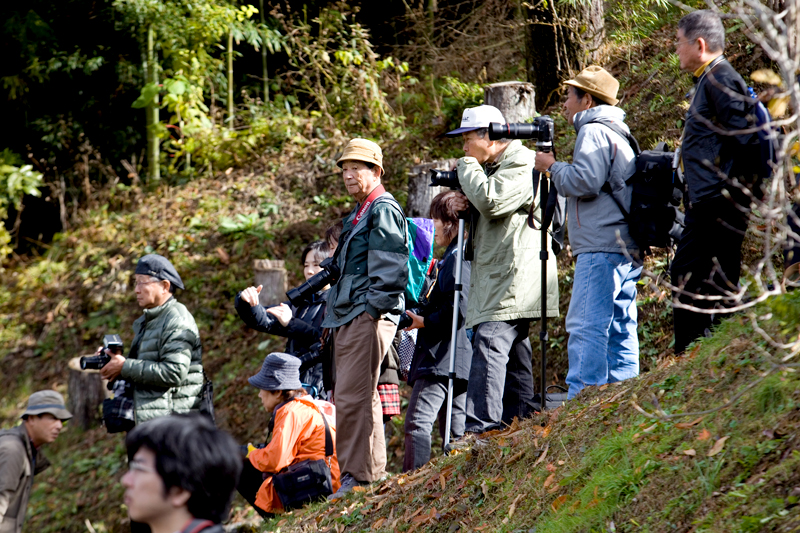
(140, 283)
(139, 466)
(678, 44)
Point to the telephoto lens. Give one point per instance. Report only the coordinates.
(444, 178)
(327, 276)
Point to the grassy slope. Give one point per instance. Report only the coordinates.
(58, 306)
(598, 464)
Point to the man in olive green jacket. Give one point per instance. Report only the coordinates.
(164, 363)
(505, 284)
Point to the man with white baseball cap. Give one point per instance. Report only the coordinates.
(20, 458)
(505, 286)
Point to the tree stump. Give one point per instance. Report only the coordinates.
(515, 99)
(271, 274)
(86, 391)
(420, 193)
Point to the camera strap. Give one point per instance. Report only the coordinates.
(377, 191)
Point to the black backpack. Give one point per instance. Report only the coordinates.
(654, 218)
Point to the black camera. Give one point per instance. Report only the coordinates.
(112, 343)
(444, 178)
(327, 276)
(542, 130)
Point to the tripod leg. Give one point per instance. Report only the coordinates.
(454, 333)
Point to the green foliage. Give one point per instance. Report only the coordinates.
(634, 20)
(336, 67)
(16, 180)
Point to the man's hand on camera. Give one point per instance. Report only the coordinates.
(113, 368)
(250, 295)
(460, 202)
(417, 321)
(544, 160)
(282, 312)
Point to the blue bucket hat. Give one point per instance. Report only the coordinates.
(280, 371)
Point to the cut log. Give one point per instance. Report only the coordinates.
(271, 274)
(420, 193)
(515, 99)
(86, 391)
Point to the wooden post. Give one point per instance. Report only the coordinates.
(86, 391)
(515, 99)
(271, 274)
(420, 193)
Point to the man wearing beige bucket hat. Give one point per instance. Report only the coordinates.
(603, 345)
(364, 307)
(20, 458)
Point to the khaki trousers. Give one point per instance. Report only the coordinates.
(359, 348)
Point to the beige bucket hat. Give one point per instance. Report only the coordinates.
(47, 401)
(597, 82)
(362, 150)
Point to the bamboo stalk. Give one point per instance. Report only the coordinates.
(151, 111)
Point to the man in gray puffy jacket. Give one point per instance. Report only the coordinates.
(164, 362)
(603, 346)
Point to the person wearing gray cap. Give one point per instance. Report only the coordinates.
(298, 433)
(164, 365)
(20, 458)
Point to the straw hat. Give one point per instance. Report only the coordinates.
(597, 82)
(362, 150)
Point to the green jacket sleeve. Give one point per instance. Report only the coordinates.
(175, 357)
(500, 194)
(387, 259)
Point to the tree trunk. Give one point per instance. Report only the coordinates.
(85, 394)
(515, 99)
(151, 111)
(562, 39)
(420, 193)
(264, 75)
(271, 274)
(230, 79)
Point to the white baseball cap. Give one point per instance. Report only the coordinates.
(475, 118)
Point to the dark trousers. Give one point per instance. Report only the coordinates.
(501, 377)
(714, 230)
(249, 483)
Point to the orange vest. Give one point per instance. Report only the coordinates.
(298, 434)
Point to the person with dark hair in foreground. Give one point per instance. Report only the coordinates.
(182, 472)
(297, 433)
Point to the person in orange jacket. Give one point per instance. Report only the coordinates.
(297, 429)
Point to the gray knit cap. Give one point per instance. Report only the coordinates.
(280, 371)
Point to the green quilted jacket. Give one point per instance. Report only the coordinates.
(166, 371)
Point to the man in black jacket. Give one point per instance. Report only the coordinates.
(715, 154)
(182, 472)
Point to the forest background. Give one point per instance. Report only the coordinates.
(207, 131)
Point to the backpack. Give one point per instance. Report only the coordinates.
(419, 234)
(654, 218)
(420, 254)
(767, 137)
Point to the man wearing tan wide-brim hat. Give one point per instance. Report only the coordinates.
(363, 309)
(603, 346)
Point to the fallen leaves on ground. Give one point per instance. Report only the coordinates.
(717, 447)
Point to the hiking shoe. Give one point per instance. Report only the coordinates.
(348, 484)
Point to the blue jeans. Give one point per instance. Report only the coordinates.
(601, 321)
